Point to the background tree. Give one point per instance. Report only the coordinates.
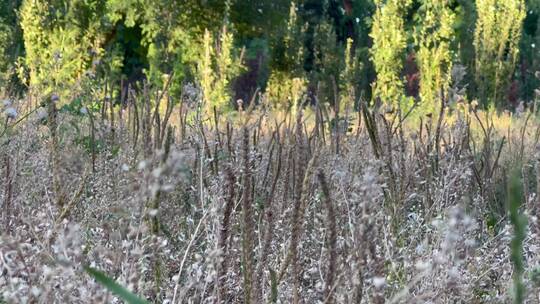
(288, 81)
(496, 41)
(11, 45)
(58, 49)
(529, 55)
(389, 45)
(433, 38)
(215, 70)
(56, 42)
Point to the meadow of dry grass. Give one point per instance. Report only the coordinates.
(267, 207)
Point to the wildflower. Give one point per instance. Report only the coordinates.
(470, 243)
(89, 74)
(422, 265)
(167, 188)
(36, 291)
(319, 286)
(157, 172)
(55, 98)
(420, 248)
(141, 165)
(379, 282)
(439, 258)
(453, 273)
(240, 104)
(6, 102)
(41, 114)
(83, 111)
(520, 108)
(57, 56)
(474, 104)
(11, 112)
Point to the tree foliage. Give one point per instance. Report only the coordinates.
(496, 41)
(433, 37)
(10, 43)
(58, 50)
(63, 38)
(389, 44)
(216, 68)
(54, 45)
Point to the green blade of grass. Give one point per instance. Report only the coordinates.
(519, 221)
(114, 287)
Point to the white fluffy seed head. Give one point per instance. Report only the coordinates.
(11, 112)
(55, 98)
(379, 282)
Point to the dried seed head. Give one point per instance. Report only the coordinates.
(379, 282)
(240, 104)
(474, 104)
(54, 98)
(11, 112)
(41, 114)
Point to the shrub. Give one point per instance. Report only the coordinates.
(496, 39)
(434, 56)
(389, 43)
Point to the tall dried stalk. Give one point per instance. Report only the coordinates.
(8, 190)
(224, 234)
(332, 239)
(301, 194)
(248, 223)
(156, 199)
(146, 118)
(270, 225)
(54, 150)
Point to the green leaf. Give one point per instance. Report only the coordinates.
(519, 221)
(114, 287)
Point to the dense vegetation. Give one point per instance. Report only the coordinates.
(54, 45)
(284, 151)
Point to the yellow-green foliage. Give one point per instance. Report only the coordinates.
(294, 40)
(496, 39)
(172, 31)
(215, 70)
(57, 51)
(348, 78)
(63, 37)
(389, 42)
(285, 91)
(434, 55)
(286, 86)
